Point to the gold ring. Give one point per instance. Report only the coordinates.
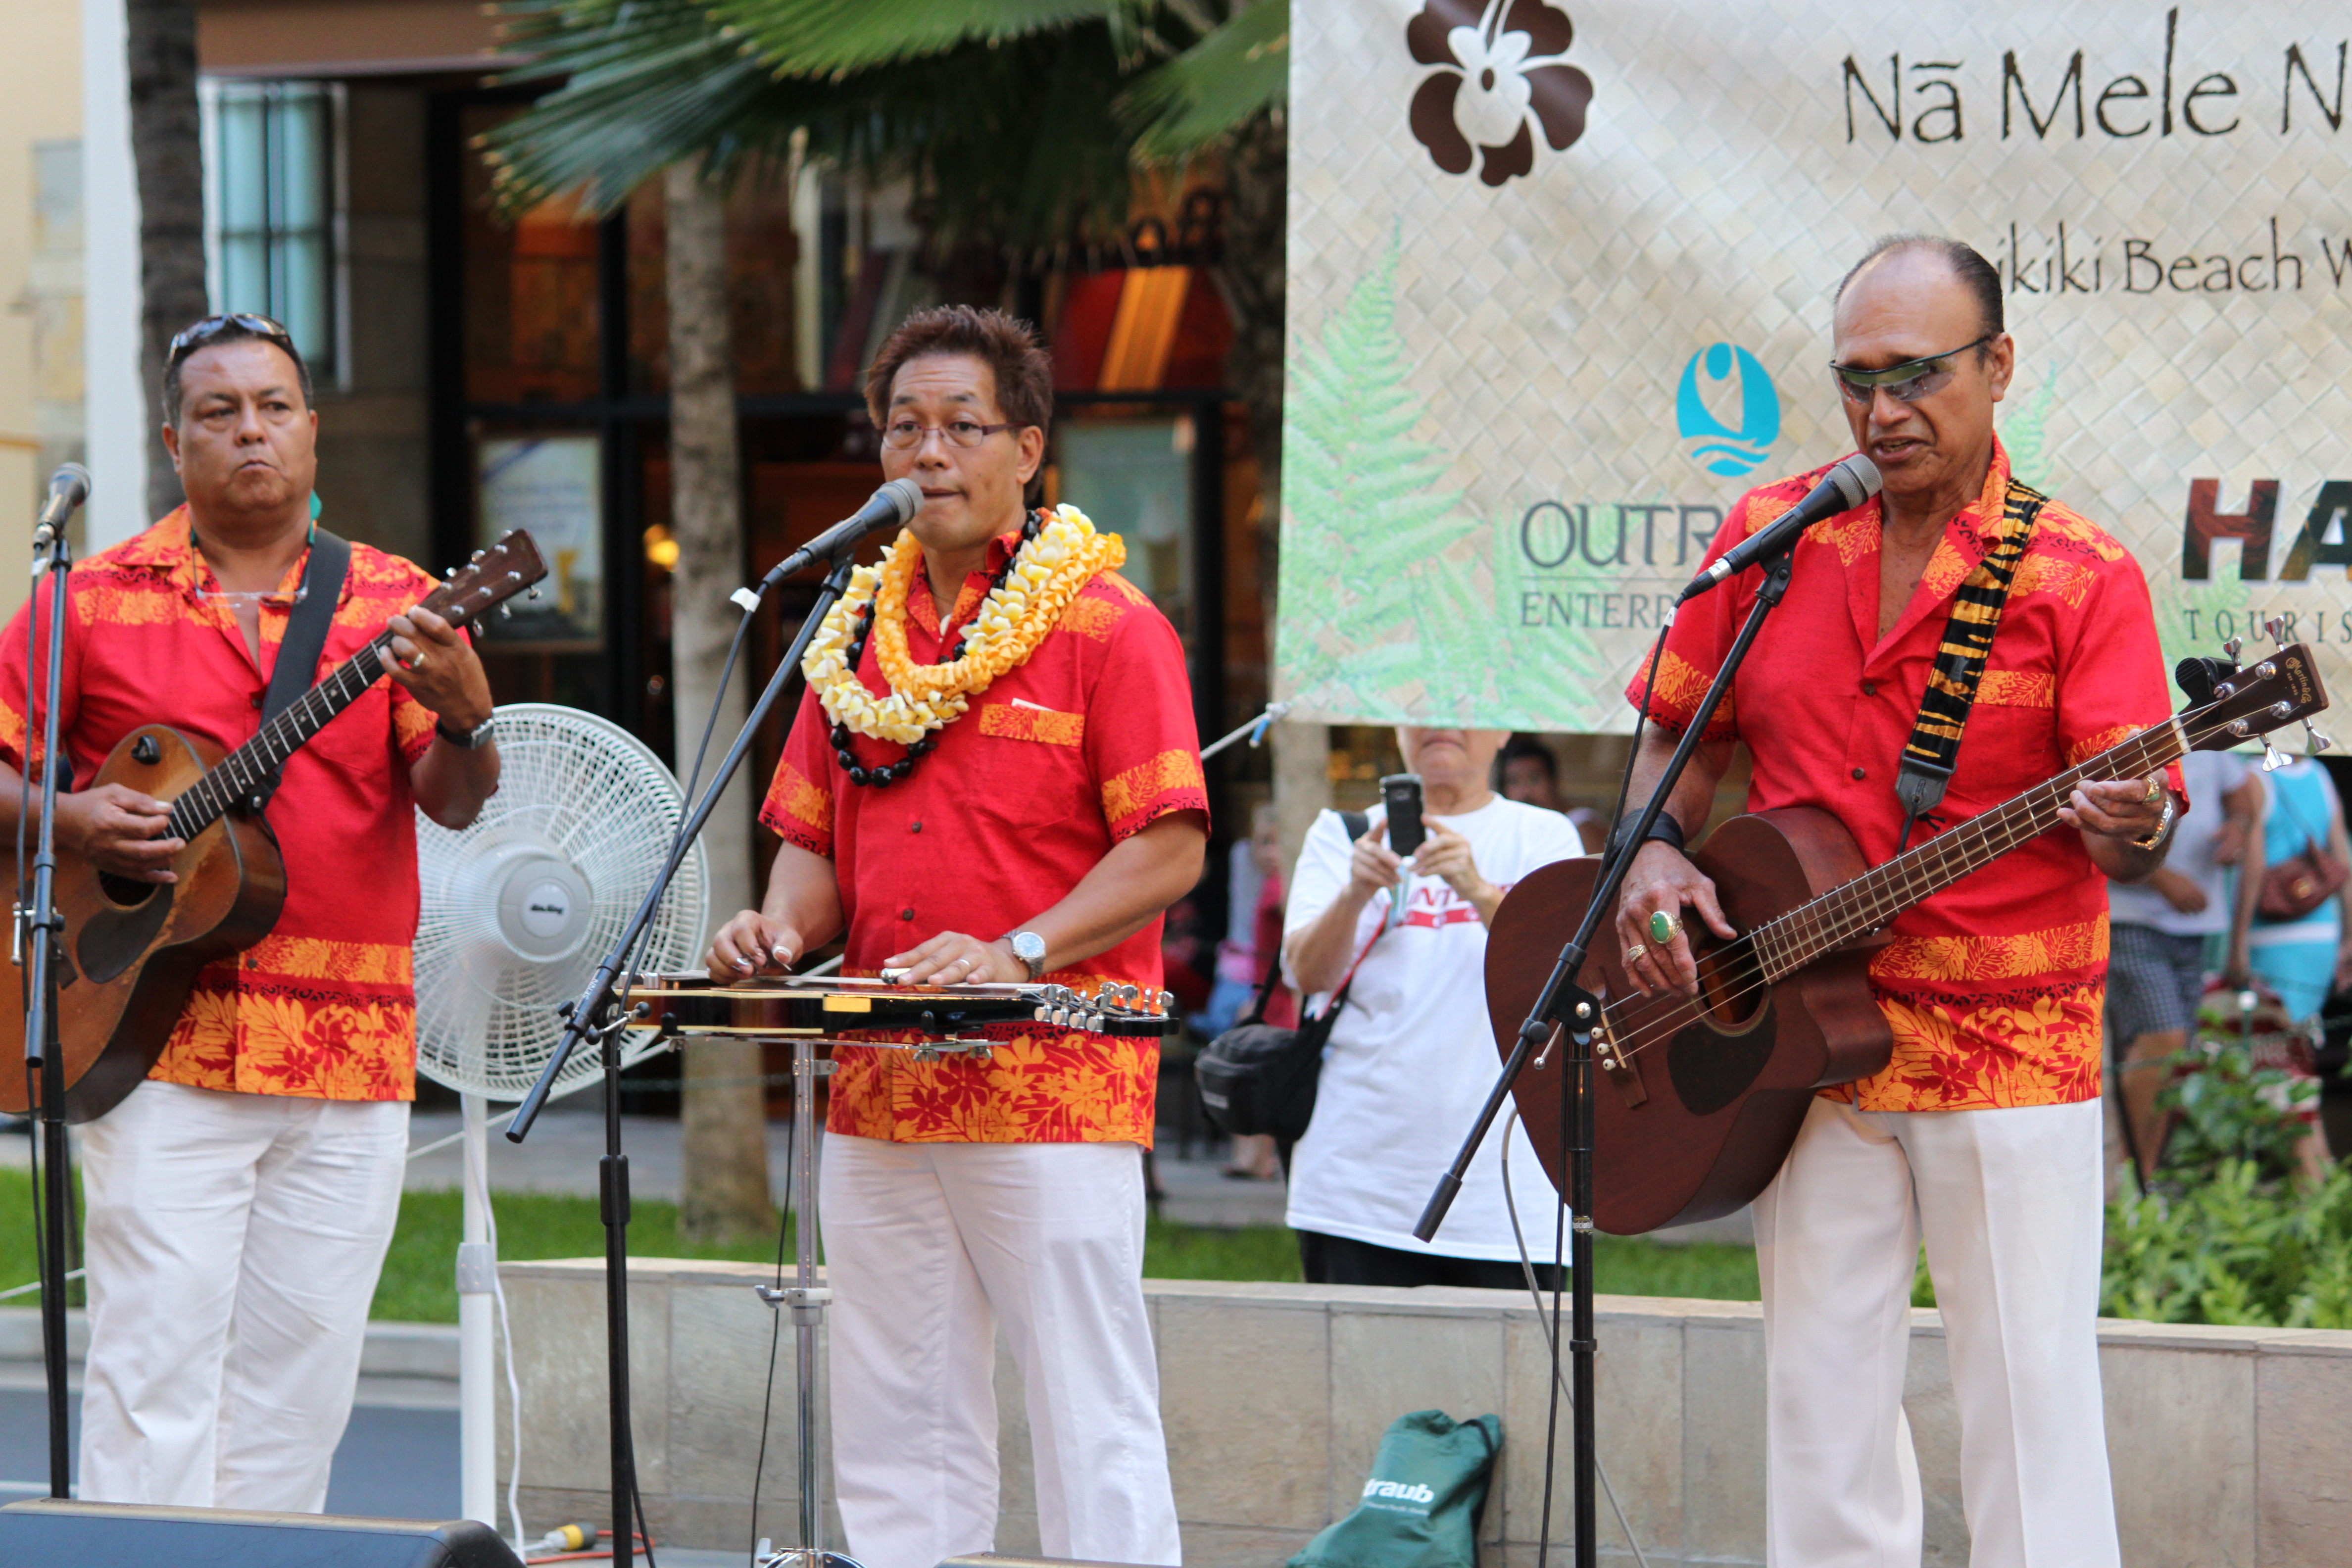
(1635, 953)
(1663, 926)
(2155, 790)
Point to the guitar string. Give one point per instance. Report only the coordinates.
(212, 796)
(2035, 817)
(2018, 820)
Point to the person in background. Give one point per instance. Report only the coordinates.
(2157, 934)
(1526, 771)
(1254, 934)
(1412, 1058)
(2301, 959)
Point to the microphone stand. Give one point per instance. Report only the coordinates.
(1576, 1013)
(596, 1014)
(44, 1056)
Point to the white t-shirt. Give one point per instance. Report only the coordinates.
(1413, 1056)
(2210, 775)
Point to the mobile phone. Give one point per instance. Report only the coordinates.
(1400, 794)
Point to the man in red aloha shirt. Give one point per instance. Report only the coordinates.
(240, 1201)
(1038, 834)
(1982, 1135)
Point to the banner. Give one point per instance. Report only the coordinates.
(1560, 291)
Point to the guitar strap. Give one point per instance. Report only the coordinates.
(306, 634)
(1933, 749)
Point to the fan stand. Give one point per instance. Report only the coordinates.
(477, 1265)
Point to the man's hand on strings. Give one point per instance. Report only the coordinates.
(1663, 880)
(952, 958)
(119, 831)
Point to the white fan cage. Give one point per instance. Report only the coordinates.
(591, 795)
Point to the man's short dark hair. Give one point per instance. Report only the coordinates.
(1524, 747)
(1007, 345)
(1975, 273)
(230, 330)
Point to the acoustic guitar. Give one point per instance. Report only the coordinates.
(1697, 1101)
(133, 949)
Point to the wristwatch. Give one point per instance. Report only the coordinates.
(1030, 949)
(2163, 826)
(472, 740)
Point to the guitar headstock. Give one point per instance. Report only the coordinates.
(490, 579)
(2283, 687)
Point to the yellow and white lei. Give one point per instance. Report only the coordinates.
(1046, 573)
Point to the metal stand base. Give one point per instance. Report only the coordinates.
(807, 1301)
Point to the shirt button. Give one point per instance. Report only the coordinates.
(1870, 689)
(915, 828)
(1861, 772)
(906, 914)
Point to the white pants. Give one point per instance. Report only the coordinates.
(234, 1242)
(928, 1248)
(2008, 1203)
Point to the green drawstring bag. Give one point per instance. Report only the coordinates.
(1421, 1505)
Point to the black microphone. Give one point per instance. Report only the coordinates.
(1843, 489)
(893, 505)
(68, 488)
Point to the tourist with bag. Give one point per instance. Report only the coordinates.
(1411, 1055)
(2297, 943)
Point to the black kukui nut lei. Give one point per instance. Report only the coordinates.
(844, 751)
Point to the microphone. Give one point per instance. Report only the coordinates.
(68, 488)
(892, 506)
(1843, 489)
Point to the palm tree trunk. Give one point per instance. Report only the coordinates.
(1251, 277)
(167, 151)
(724, 1181)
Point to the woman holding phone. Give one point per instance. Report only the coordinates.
(1411, 1057)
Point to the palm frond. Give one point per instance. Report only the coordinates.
(836, 38)
(1235, 72)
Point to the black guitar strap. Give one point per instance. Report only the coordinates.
(1933, 749)
(306, 634)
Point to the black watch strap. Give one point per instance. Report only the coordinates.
(465, 740)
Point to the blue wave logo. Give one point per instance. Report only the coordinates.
(1718, 447)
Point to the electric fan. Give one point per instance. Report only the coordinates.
(518, 908)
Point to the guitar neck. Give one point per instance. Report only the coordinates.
(1869, 902)
(245, 770)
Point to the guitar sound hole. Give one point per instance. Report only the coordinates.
(1714, 1060)
(124, 892)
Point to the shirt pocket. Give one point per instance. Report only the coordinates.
(2010, 742)
(1029, 764)
(357, 742)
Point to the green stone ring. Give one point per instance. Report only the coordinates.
(1663, 926)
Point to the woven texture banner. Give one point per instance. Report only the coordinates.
(1559, 290)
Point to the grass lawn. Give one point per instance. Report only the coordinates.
(418, 1284)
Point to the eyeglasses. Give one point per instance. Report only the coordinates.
(901, 435)
(1907, 382)
(196, 334)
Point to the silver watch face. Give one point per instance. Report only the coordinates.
(1029, 948)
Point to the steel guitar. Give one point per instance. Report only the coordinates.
(781, 1006)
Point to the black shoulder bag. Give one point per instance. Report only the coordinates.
(1259, 1078)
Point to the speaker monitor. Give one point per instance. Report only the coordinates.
(43, 1531)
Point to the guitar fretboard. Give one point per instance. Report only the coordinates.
(245, 770)
(1790, 941)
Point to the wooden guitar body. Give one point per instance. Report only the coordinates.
(1704, 1108)
(133, 949)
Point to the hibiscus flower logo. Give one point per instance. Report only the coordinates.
(1501, 62)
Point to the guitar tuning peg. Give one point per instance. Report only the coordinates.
(2233, 648)
(451, 572)
(2275, 629)
(476, 556)
(2320, 742)
(534, 591)
(2273, 758)
(506, 612)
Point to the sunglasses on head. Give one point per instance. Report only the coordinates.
(1907, 382)
(196, 334)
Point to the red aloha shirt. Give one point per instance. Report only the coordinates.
(324, 1006)
(1993, 987)
(1076, 750)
